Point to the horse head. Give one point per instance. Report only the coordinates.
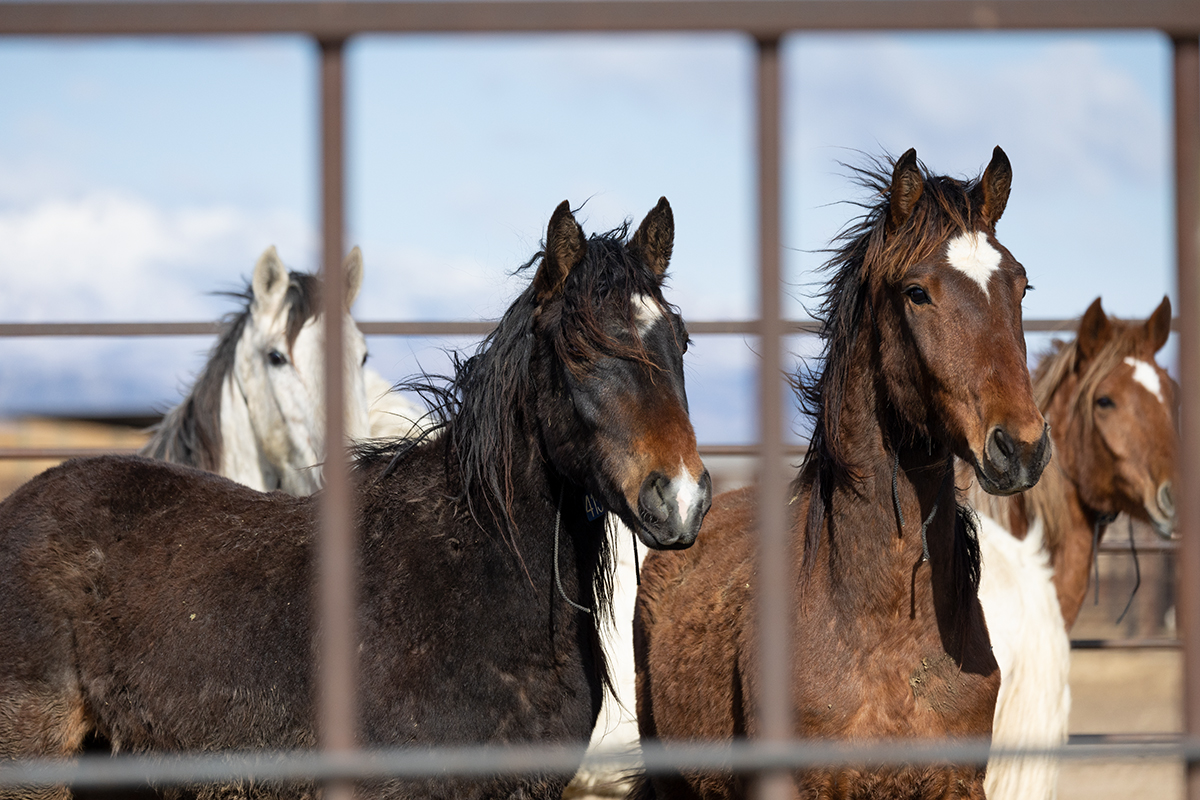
(952, 347)
(616, 421)
(279, 370)
(1120, 442)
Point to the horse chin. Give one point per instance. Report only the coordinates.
(1165, 528)
(1003, 484)
(657, 539)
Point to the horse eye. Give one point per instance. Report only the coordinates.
(276, 358)
(365, 357)
(918, 295)
(1105, 402)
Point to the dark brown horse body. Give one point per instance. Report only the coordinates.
(158, 608)
(1113, 416)
(925, 360)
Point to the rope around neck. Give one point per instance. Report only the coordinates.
(1102, 522)
(557, 577)
(900, 512)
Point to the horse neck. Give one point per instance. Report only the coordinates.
(882, 565)
(1070, 526)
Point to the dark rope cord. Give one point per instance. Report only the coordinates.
(900, 513)
(1137, 573)
(557, 577)
(1102, 522)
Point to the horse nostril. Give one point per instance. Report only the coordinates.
(1003, 442)
(653, 498)
(1166, 501)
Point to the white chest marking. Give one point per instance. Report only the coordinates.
(972, 255)
(646, 312)
(1147, 376)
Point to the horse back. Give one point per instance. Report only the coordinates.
(133, 591)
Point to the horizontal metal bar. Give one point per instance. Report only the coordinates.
(1153, 546)
(109, 328)
(30, 453)
(418, 328)
(1148, 643)
(1124, 738)
(760, 18)
(59, 453)
(104, 772)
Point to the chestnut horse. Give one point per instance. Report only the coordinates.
(924, 361)
(1112, 413)
(166, 609)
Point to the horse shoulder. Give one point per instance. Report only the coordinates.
(691, 619)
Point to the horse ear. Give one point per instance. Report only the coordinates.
(991, 195)
(1094, 330)
(352, 271)
(907, 186)
(564, 249)
(270, 283)
(655, 238)
(1158, 327)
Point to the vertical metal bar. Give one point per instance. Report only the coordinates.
(774, 619)
(1187, 243)
(337, 578)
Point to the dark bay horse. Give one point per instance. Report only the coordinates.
(924, 361)
(165, 609)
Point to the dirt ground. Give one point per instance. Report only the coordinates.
(1131, 691)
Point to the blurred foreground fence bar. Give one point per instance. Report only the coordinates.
(766, 21)
(101, 772)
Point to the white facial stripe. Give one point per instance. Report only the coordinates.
(1147, 376)
(973, 255)
(687, 490)
(646, 311)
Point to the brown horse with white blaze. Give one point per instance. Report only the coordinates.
(924, 360)
(1113, 417)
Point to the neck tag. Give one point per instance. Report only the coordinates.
(592, 507)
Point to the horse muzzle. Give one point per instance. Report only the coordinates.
(1162, 511)
(671, 509)
(1009, 466)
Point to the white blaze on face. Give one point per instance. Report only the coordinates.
(1147, 376)
(686, 489)
(973, 255)
(646, 312)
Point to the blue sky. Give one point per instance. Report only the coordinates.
(139, 176)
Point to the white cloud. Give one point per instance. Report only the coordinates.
(113, 256)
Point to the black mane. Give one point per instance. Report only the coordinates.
(190, 433)
(484, 410)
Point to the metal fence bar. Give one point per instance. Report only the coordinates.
(427, 328)
(773, 705)
(1148, 643)
(102, 772)
(1187, 242)
(336, 568)
(763, 19)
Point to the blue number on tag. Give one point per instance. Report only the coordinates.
(592, 507)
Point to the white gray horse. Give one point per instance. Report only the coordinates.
(256, 414)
